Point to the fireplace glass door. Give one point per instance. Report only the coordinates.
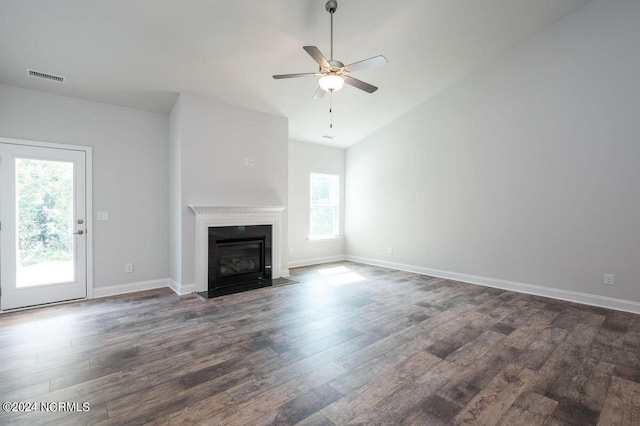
(240, 257)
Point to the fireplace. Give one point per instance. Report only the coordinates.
(239, 258)
(231, 225)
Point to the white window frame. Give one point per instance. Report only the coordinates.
(335, 204)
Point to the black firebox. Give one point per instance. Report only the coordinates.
(239, 258)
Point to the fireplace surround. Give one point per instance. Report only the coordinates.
(212, 217)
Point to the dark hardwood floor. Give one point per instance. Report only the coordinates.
(348, 344)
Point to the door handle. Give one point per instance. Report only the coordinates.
(80, 232)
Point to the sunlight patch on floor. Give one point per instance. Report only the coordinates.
(341, 275)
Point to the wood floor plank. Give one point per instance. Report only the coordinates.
(280, 370)
(529, 409)
(406, 400)
(492, 403)
(393, 348)
(15, 379)
(26, 392)
(594, 390)
(380, 347)
(316, 419)
(169, 398)
(622, 404)
(299, 408)
(361, 375)
(457, 393)
(265, 402)
(194, 413)
(476, 348)
(361, 399)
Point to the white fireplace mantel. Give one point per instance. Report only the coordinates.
(212, 216)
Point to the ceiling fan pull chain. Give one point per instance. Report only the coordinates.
(331, 110)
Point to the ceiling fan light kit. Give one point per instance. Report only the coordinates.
(331, 83)
(333, 74)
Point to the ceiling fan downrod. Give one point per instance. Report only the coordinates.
(331, 6)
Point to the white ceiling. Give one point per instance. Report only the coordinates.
(141, 53)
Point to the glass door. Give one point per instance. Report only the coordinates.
(42, 219)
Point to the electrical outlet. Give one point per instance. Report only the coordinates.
(128, 267)
(390, 250)
(608, 279)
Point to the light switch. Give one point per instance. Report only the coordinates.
(101, 215)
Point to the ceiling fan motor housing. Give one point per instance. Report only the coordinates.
(335, 67)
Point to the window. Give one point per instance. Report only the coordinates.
(324, 206)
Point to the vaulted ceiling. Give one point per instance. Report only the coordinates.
(142, 53)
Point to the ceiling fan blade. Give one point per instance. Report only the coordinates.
(305, 74)
(367, 63)
(369, 88)
(317, 56)
(319, 93)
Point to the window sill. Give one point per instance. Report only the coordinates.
(323, 239)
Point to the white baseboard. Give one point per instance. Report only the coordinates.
(316, 261)
(571, 296)
(181, 289)
(284, 273)
(115, 290)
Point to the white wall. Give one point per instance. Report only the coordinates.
(130, 174)
(306, 158)
(526, 171)
(213, 141)
(175, 194)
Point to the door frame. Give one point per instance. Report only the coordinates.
(88, 199)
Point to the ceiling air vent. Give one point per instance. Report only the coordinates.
(39, 74)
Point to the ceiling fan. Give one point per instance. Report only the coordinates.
(333, 74)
